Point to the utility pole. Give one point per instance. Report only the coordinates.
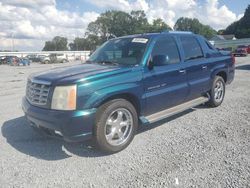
(76, 41)
(12, 41)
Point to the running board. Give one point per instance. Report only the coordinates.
(176, 109)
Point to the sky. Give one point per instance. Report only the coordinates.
(26, 24)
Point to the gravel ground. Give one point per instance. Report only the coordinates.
(202, 147)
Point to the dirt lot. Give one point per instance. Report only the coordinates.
(202, 147)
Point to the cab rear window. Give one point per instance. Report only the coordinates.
(191, 47)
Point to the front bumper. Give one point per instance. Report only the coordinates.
(73, 126)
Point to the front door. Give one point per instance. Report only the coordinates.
(165, 84)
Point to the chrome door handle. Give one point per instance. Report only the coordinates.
(204, 67)
(182, 71)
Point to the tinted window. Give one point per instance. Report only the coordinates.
(192, 49)
(167, 46)
(122, 50)
(209, 45)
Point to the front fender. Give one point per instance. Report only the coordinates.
(101, 95)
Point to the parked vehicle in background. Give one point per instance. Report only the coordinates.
(33, 58)
(13, 60)
(248, 49)
(55, 58)
(3, 60)
(45, 60)
(59, 58)
(24, 62)
(241, 51)
(226, 49)
(128, 80)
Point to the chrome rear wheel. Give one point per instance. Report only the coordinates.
(219, 91)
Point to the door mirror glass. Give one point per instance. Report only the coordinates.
(159, 60)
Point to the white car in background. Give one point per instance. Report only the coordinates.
(55, 58)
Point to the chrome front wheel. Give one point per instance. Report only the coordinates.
(118, 126)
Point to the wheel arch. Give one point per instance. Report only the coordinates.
(133, 99)
(222, 74)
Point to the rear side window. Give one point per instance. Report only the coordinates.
(209, 45)
(191, 47)
(167, 46)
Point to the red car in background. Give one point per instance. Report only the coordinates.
(248, 49)
(241, 50)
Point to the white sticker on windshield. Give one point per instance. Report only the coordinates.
(140, 40)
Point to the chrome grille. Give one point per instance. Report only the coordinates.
(37, 93)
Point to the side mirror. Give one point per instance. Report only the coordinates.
(158, 60)
(150, 63)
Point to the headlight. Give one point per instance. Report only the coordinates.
(64, 98)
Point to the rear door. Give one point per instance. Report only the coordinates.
(196, 65)
(165, 85)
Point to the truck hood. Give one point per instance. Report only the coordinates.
(74, 73)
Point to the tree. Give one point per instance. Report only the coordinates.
(78, 44)
(88, 43)
(117, 23)
(240, 28)
(232, 28)
(139, 22)
(49, 46)
(57, 44)
(194, 25)
(110, 23)
(158, 26)
(221, 31)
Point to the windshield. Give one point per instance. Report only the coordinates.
(127, 51)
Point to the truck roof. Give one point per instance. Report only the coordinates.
(149, 35)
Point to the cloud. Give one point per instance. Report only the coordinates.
(123, 5)
(29, 3)
(240, 16)
(170, 10)
(217, 17)
(113, 4)
(208, 12)
(32, 22)
(38, 21)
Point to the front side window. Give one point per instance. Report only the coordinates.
(127, 51)
(191, 47)
(166, 46)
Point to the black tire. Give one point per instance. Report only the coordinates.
(214, 99)
(104, 112)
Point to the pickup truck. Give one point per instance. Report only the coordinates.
(128, 81)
